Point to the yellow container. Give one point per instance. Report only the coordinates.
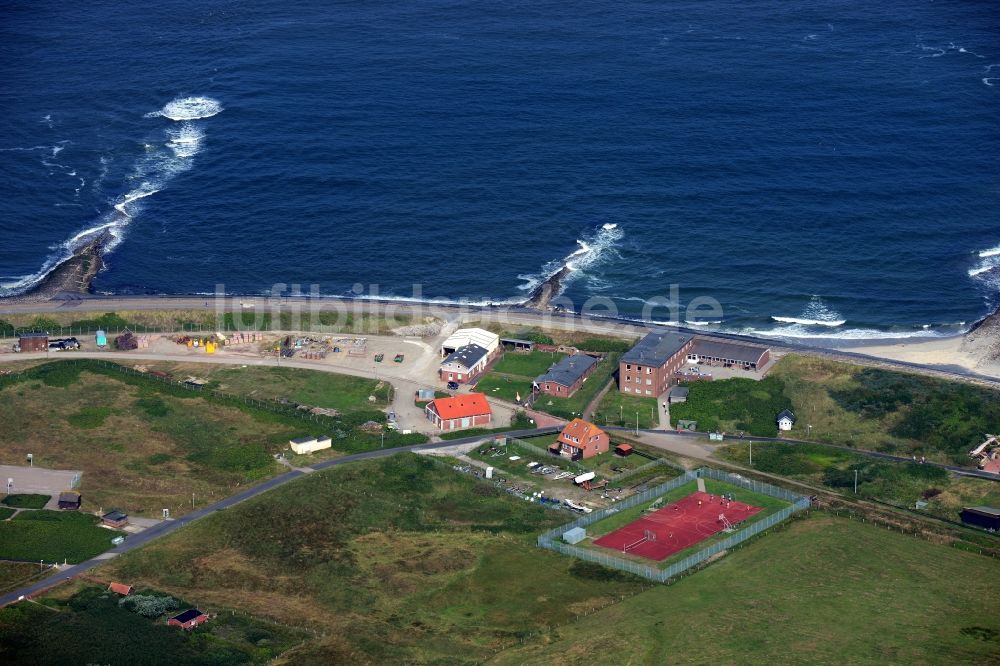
(209, 347)
(190, 343)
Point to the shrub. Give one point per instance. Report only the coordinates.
(148, 605)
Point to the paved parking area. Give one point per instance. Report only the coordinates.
(37, 480)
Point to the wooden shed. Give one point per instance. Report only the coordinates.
(33, 342)
(70, 499)
(116, 519)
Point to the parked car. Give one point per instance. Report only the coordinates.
(452, 386)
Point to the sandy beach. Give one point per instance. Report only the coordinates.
(976, 351)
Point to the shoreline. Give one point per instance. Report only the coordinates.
(975, 352)
(71, 278)
(972, 356)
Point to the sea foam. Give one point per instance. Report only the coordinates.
(816, 313)
(188, 108)
(593, 249)
(151, 172)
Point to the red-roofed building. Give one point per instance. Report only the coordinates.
(582, 439)
(120, 588)
(189, 619)
(468, 410)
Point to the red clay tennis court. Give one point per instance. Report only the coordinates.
(658, 535)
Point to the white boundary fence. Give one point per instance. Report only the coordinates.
(552, 540)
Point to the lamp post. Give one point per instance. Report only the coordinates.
(855, 481)
(637, 424)
(810, 431)
(751, 453)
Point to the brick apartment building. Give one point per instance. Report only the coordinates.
(646, 369)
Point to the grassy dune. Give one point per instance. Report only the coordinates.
(396, 561)
(144, 446)
(821, 591)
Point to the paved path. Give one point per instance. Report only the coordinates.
(588, 411)
(168, 526)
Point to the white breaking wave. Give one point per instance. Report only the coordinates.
(987, 269)
(151, 172)
(810, 322)
(816, 313)
(188, 108)
(702, 323)
(591, 251)
(800, 331)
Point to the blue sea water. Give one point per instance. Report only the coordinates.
(818, 168)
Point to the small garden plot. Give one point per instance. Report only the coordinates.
(531, 364)
(619, 409)
(518, 461)
(26, 501)
(54, 537)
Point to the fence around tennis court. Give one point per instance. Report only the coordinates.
(552, 540)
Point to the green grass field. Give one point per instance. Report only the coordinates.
(573, 406)
(505, 387)
(26, 501)
(309, 387)
(820, 591)
(149, 445)
(6, 512)
(53, 536)
(732, 405)
(399, 560)
(91, 627)
(530, 364)
(619, 409)
(15, 574)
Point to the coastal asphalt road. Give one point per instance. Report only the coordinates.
(510, 315)
(169, 526)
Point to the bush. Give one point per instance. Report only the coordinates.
(605, 345)
(148, 605)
